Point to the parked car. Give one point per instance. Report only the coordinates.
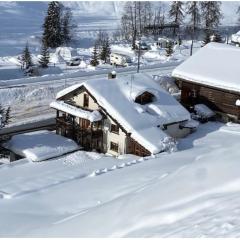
(143, 45)
(119, 59)
(74, 61)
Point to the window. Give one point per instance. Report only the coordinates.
(114, 146)
(144, 98)
(84, 123)
(114, 128)
(85, 100)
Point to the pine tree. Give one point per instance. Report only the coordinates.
(4, 116)
(52, 33)
(207, 38)
(211, 14)
(176, 13)
(105, 51)
(44, 59)
(66, 26)
(216, 37)
(169, 49)
(94, 62)
(26, 58)
(194, 12)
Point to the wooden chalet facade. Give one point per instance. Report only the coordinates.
(105, 135)
(222, 101)
(211, 77)
(130, 115)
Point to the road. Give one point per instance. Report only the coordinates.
(79, 76)
(30, 102)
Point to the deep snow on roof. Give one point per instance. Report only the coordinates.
(216, 64)
(117, 97)
(40, 145)
(78, 112)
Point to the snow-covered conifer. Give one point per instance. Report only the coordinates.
(52, 33)
(94, 62)
(105, 51)
(211, 14)
(44, 59)
(66, 26)
(176, 13)
(26, 58)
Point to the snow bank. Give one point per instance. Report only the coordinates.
(190, 193)
(203, 111)
(215, 64)
(75, 111)
(236, 37)
(40, 145)
(62, 54)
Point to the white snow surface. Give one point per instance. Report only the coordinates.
(215, 64)
(203, 111)
(237, 102)
(40, 145)
(236, 37)
(190, 193)
(93, 116)
(117, 97)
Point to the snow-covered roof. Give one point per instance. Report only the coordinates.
(117, 97)
(40, 145)
(75, 111)
(216, 65)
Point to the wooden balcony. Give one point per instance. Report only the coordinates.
(75, 131)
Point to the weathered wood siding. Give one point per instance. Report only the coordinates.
(133, 147)
(220, 100)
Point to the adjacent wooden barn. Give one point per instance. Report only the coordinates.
(212, 77)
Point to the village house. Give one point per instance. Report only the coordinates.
(130, 114)
(211, 76)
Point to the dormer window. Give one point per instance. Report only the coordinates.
(144, 98)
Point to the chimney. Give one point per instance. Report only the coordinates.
(112, 75)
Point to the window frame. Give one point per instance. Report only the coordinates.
(85, 100)
(114, 147)
(114, 128)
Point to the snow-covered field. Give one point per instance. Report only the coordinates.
(29, 98)
(190, 193)
(193, 192)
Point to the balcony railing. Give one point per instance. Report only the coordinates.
(78, 131)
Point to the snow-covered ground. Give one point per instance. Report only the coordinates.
(190, 193)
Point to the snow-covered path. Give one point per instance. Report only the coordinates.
(193, 192)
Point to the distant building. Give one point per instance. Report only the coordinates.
(130, 114)
(211, 76)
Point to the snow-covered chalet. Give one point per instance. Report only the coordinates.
(211, 76)
(118, 115)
